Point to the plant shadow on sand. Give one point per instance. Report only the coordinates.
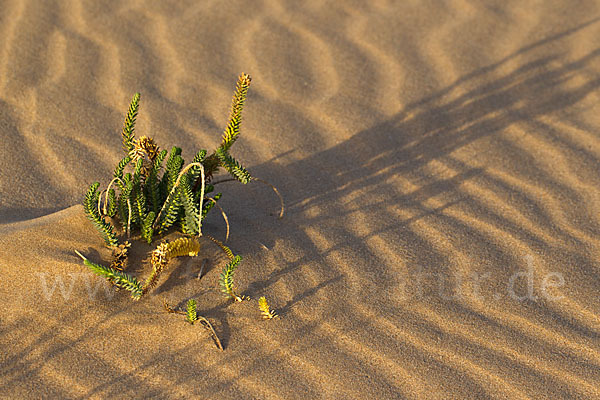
(340, 267)
(358, 182)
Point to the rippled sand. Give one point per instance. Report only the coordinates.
(440, 164)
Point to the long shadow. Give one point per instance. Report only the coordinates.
(381, 183)
(359, 178)
(378, 185)
(352, 202)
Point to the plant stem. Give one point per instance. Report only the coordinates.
(224, 217)
(108, 189)
(276, 192)
(201, 200)
(209, 326)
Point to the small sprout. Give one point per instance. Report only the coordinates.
(191, 315)
(205, 322)
(227, 286)
(267, 313)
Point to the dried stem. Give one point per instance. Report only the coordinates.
(224, 217)
(281, 202)
(129, 219)
(108, 190)
(100, 201)
(202, 188)
(80, 255)
(169, 309)
(200, 274)
(209, 326)
(276, 192)
(225, 180)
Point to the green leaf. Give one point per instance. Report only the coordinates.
(147, 230)
(169, 215)
(173, 170)
(112, 203)
(118, 278)
(233, 167)
(191, 211)
(226, 280)
(121, 167)
(152, 184)
(171, 166)
(191, 315)
(129, 124)
(90, 206)
(235, 117)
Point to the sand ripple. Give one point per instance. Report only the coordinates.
(440, 166)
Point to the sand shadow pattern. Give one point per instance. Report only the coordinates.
(362, 216)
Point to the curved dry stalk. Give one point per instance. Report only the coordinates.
(276, 192)
(100, 201)
(202, 188)
(281, 202)
(224, 217)
(108, 190)
(176, 185)
(129, 219)
(209, 326)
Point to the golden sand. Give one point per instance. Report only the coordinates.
(440, 164)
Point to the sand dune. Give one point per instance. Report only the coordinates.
(439, 162)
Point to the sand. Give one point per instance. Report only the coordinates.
(439, 162)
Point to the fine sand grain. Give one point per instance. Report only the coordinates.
(440, 164)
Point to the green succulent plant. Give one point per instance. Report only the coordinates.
(148, 198)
